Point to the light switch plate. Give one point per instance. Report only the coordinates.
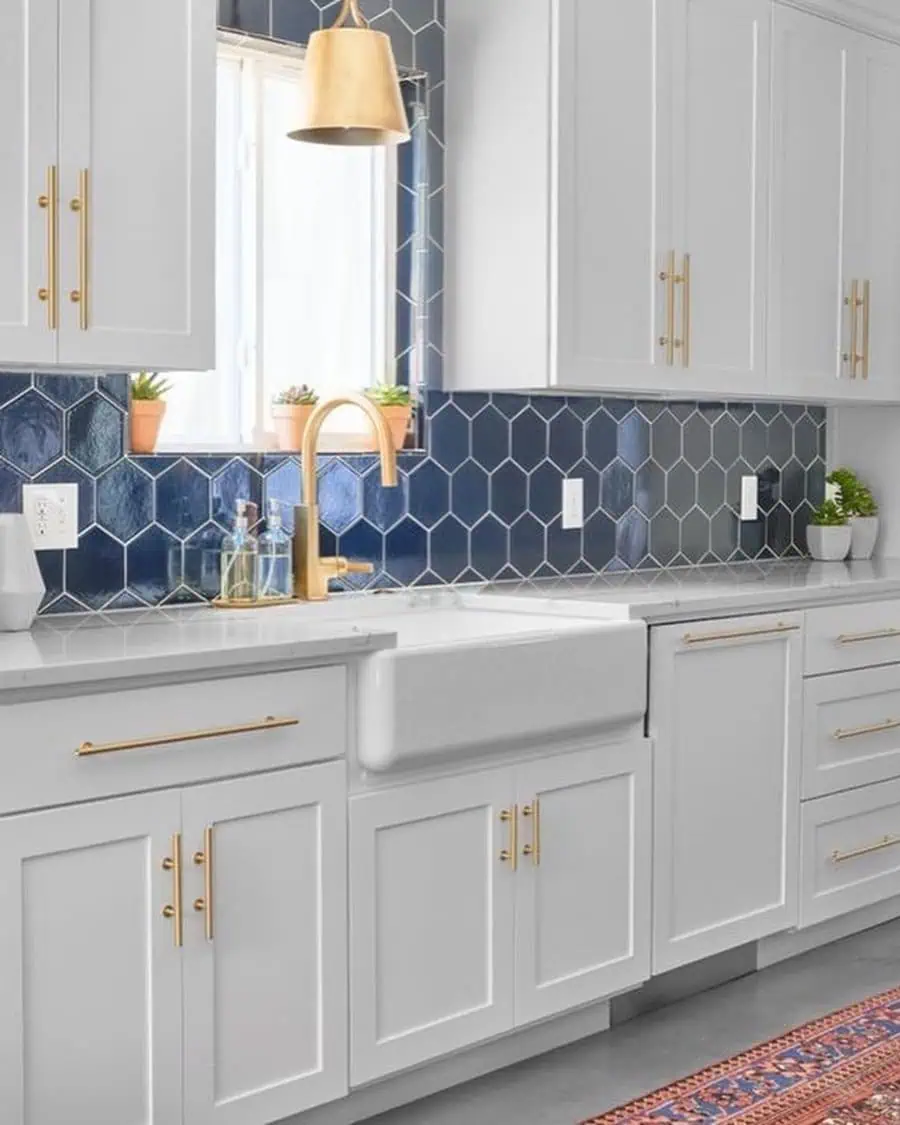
(573, 504)
(51, 511)
(749, 499)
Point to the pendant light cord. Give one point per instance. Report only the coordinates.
(348, 8)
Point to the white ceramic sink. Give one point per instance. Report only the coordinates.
(464, 677)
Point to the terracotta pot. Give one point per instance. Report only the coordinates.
(146, 417)
(397, 418)
(290, 421)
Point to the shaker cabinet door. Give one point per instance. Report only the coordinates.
(90, 975)
(265, 979)
(137, 183)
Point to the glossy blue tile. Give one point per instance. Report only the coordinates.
(245, 15)
(11, 483)
(634, 439)
(529, 439)
(632, 538)
(509, 405)
(490, 438)
(95, 571)
(124, 500)
(282, 484)
(617, 489)
(599, 540)
(489, 547)
(469, 493)
(545, 492)
(601, 439)
(449, 554)
(237, 481)
(115, 387)
(295, 20)
(449, 437)
(384, 507)
(697, 441)
(155, 566)
(406, 551)
(340, 496)
(566, 440)
(429, 494)
(363, 543)
(12, 384)
(31, 432)
(51, 568)
(64, 390)
(183, 499)
(563, 547)
(527, 544)
(202, 560)
(509, 492)
(94, 433)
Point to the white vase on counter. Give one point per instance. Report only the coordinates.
(21, 585)
(828, 544)
(864, 535)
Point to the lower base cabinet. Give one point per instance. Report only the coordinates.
(484, 902)
(96, 982)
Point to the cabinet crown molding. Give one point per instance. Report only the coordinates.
(877, 17)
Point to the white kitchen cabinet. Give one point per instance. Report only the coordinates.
(725, 716)
(431, 920)
(107, 130)
(583, 901)
(90, 978)
(461, 930)
(265, 991)
(28, 92)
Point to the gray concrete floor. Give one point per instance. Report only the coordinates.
(652, 1050)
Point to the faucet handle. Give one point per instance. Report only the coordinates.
(344, 566)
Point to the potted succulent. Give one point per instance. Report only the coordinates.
(147, 409)
(290, 413)
(859, 505)
(828, 535)
(395, 403)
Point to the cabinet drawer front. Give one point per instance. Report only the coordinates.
(92, 746)
(844, 637)
(850, 852)
(851, 730)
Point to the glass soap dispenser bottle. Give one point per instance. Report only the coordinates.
(240, 557)
(276, 569)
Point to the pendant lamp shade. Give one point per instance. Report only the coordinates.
(352, 88)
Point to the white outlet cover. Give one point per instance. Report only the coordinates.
(573, 504)
(51, 511)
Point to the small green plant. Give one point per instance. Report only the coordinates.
(387, 394)
(148, 387)
(296, 396)
(828, 514)
(855, 497)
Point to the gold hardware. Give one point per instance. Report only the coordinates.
(510, 855)
(311, 571)
(49, 202)
(668, 340)
(204, 859)
(874, 728)
(739, 634)
(853, 302)
(884, 842)
(867, 326)
(534, 848)
(685, 280)
(80, 206)
(173, 910)
(269, 723)
(877, 635)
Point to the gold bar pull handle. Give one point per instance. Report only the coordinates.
(853, 302)
(739, 634)
(204, 859)
(686, 312)
(857, 853)
(667, 341)
(533, 811)
(173, 909)
(81, 206)
(866, 326)
(87, 749)
(49, 202)
(510, 854)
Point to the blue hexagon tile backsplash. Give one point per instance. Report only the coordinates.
(661, 480)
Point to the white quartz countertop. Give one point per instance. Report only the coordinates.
(87, 648)
(690, 593)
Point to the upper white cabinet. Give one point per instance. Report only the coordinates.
(725, 716)
(107, 126)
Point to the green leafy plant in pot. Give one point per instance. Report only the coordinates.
(147, 410)
(395, 403)
(859, 506)
(828, 535)
(291, 409)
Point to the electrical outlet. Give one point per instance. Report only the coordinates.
(51, 511)
(573, 504)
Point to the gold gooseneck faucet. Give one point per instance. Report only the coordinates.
(311, 571)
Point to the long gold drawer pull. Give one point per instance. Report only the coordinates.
(739, 634)
(204, 859)
(269, 723)
(534, 848)
(173, 909)
(866, 326)
(668, 277)
(49, 202)
(876, 635)
(873, 728)
(80, 205)
(510, 854)
(857, 853)
(853, 303)
(686, 313)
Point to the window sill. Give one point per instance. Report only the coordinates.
(332, 445)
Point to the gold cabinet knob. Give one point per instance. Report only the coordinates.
(168, 911)
(168, 864)
(199, 905)
(75, 296)
(199, 858)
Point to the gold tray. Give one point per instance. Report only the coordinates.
(252, 603)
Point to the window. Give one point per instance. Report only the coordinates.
(305, 244)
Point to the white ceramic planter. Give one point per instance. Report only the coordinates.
(864, 535)
(21, 585)
(829, 544)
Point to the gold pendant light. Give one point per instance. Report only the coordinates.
(352, 87)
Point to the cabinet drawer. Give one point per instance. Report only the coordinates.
(851, 730)
(840, 638)
(850, 851)
(78, 749)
